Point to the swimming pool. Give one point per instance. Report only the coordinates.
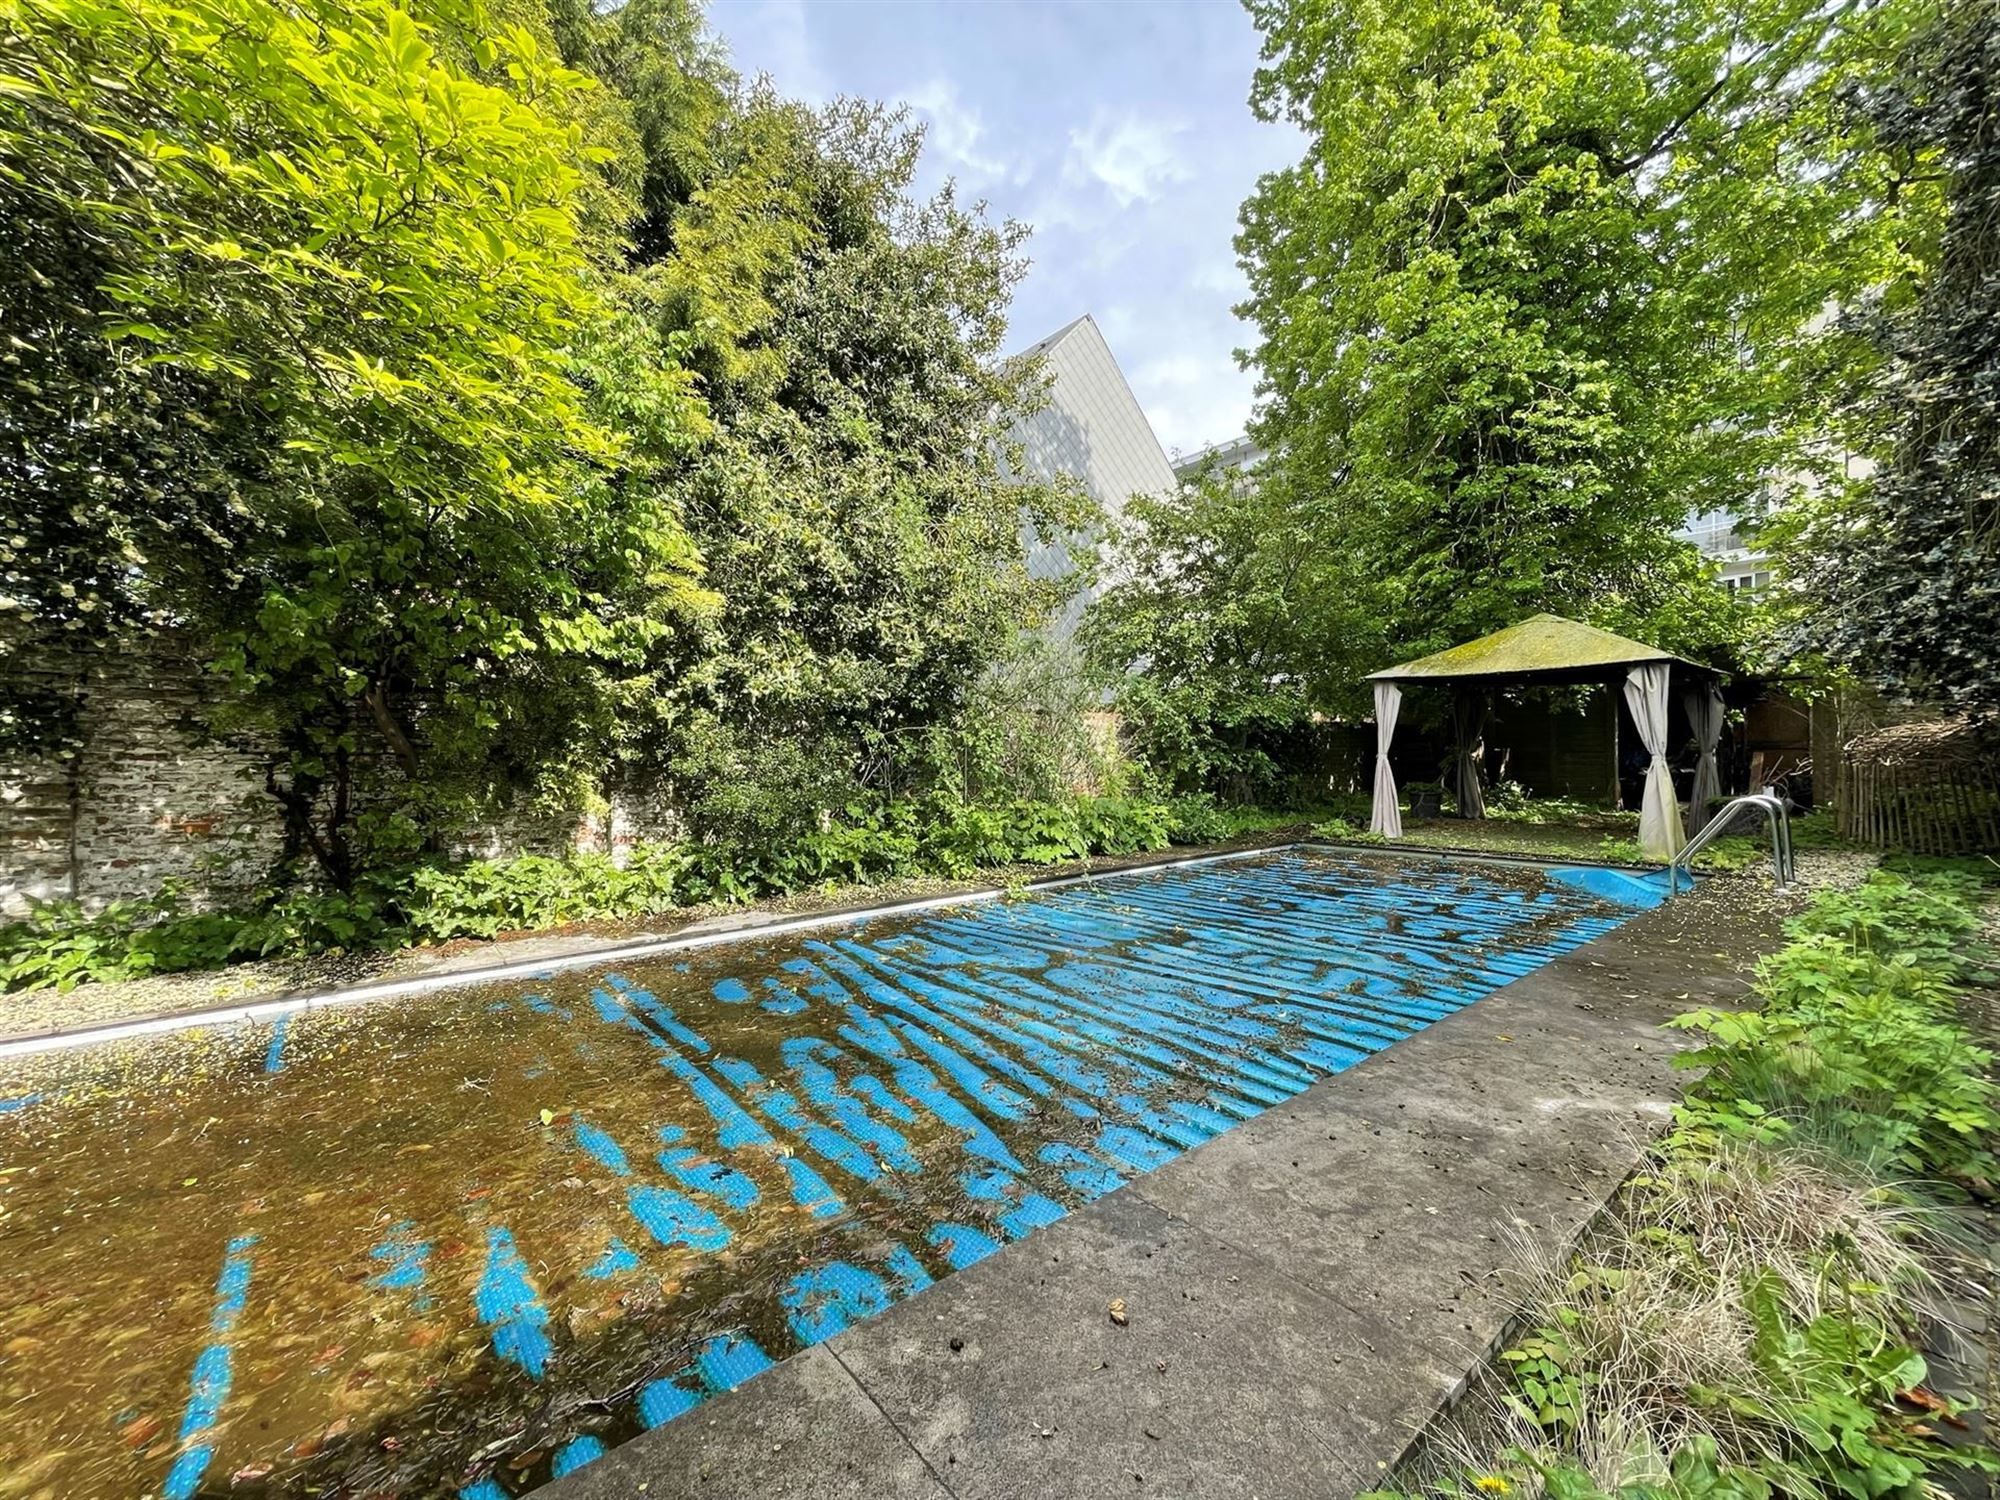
(465, 1242)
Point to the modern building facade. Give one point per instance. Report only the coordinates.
(1718, 535)
(1239, 455)
(1093, 430)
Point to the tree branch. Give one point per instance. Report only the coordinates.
(377, 699)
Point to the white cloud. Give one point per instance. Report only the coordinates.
(1129, 157)
(1132, 157)
(957, 134)
(1122, 325)
(1171, 371)
(1193, 397)
(1223, 277)
(785, 47)
(1188, 422)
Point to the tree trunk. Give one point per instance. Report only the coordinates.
(377, 699)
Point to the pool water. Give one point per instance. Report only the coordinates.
(461, 1243)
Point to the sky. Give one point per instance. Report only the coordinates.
(1119, 129)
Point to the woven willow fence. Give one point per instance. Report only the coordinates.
(1929, 788)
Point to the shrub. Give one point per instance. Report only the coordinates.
(1196, 820)
(61, 946)
(1745, 1324)
(1509, 802)
(1857, 1040)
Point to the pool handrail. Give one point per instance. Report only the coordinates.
(1784, 868)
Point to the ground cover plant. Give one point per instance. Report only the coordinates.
(1749, 1320)
(1566, 830)
(60, 945)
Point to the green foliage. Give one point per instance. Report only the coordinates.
(1745, 1324)
(1927, 921)
(1856, 1040)
(1833, 1382)
(1200, 819)
(1031, 726)
(1207, 639)
(1726, 855)
(1347, 831)
(60, 946)
(1196, 820)
(1729, 854)
(1473, 356)
(1547, 279)
(1902, 568)
(490, 431)
(1813, 1404)
(331, 310)
(849, 500)
(1509, 802)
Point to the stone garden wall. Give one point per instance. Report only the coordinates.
(144, 800)
(140, 801)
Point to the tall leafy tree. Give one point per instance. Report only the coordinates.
(1541, 285)
(849, 500)
(327, 385)
(1233, 615)
(1897, 577)
(1537, 288)
(852, 507)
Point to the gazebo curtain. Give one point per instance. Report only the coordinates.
(1468, 722)
(1386, 819)
(1660, 835)
(1704, 711)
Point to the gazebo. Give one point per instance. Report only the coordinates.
(1550, 651)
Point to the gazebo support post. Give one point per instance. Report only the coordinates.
(1468, 722)
(1385, 817)
(1660, 835)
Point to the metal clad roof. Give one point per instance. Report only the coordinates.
(1094, 430)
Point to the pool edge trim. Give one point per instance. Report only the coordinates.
(208, 1017)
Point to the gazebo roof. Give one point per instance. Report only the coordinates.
(1541, 649)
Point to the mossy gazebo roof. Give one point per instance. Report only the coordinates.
(1543, 649)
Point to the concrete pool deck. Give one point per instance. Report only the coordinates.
(1300, 1294)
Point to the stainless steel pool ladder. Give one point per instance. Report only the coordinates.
(1784, 867)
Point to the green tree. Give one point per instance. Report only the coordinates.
(853, 508)
(328, 387)
(1897, 577)
(1549, 277)
(1537, 290)
(850, 500)
(1233, 618)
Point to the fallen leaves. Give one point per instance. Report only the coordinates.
(1118, 1315)
(1926, 1399)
